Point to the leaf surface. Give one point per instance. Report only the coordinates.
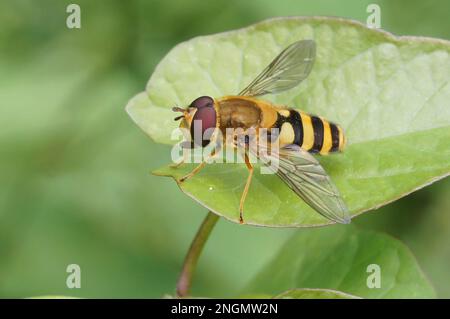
(341, 258)
(390, 94)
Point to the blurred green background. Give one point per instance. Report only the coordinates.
(74, 170)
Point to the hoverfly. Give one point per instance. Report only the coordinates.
(299, 134)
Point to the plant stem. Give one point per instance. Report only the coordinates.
(190, 261)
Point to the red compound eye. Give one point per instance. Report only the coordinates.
(204, 119)
(202, 101)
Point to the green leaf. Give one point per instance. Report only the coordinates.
(314, 294)
(338, 258)
(305, 293)
(390, 94)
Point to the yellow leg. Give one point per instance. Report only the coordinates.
(193, 172)
(196, 169)
(247, 186)
(176, 165)
(183, 161)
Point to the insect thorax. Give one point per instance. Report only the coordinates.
(235, 112)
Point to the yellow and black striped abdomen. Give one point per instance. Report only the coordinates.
(312, 133)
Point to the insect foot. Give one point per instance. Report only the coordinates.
(185, 177)
(241, 218)
(181, 180)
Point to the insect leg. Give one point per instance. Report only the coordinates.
(247, 186)
(184, 145)
(193, 172)
(198, 167)
(176, 165)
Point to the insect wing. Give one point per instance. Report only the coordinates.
(286, 71)
(308, 179)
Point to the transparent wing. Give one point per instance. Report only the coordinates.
(286, 71)
(307, 178)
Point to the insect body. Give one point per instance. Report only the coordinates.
(296, 133)
(312, 133)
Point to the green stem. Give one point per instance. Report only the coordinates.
(190, 261)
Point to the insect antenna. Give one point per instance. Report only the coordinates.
(178, 109)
